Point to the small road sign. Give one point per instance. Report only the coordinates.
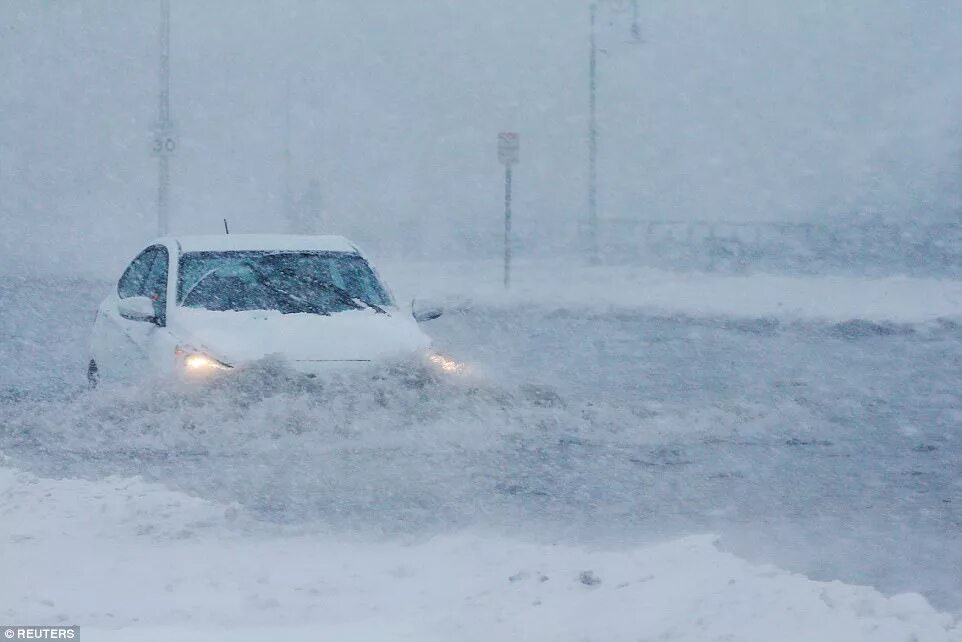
(509, 147)
(163, 145)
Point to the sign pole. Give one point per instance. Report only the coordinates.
(509, 145)
(507, 226)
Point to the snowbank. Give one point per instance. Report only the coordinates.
(567, 285)
(127, 560)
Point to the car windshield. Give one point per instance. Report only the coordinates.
(290, 282)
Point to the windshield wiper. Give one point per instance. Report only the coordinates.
(356, 299)
(346, 297)
(196, 283)
(298, 300)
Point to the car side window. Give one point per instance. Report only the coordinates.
(132, 281)
(155, 284)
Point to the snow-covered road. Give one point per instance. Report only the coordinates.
(826, 444)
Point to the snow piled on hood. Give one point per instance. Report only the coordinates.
(251, 335)
(210, 575)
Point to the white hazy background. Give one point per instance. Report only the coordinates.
(749, 110)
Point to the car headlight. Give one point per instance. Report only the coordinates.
(446, 364)
(198, 362)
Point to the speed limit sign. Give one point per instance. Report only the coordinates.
(509, 144)
(163, 144)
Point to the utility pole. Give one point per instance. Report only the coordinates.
(165, 141)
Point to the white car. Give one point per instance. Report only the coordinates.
(196, 305)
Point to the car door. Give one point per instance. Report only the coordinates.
(158, 344)
(123, 344)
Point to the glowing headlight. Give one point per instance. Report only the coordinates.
(200, 363)
(446, 364)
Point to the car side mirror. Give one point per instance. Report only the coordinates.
(422, 312)
(137, 308)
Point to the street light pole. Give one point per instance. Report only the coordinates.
(509, 148)
(593, 143)
(593, 223)
(164, 139)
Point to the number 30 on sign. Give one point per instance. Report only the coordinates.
(163, 145)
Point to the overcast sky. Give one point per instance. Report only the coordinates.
(736, 110)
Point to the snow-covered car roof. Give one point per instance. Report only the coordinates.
(279, 242)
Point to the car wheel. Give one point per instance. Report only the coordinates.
(93, 374)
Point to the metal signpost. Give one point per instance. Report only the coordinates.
(509, 146)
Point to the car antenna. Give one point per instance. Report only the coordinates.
(226, 229)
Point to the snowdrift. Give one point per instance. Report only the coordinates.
(213, 574)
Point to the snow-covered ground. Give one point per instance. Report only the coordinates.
(572, 285)
(669, 433)
(132, 561)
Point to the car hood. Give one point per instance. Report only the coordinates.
(355, 335)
